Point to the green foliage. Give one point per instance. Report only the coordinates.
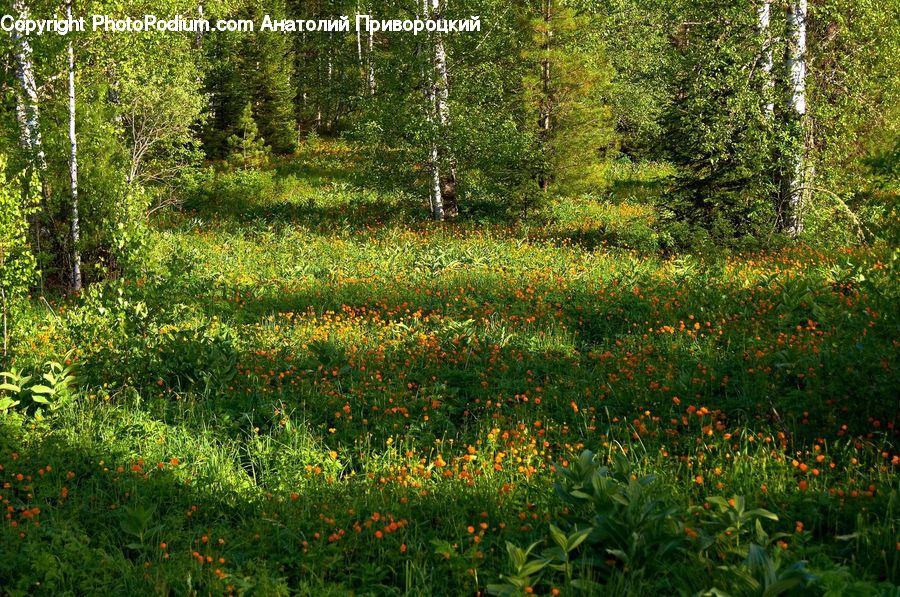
(855, 51)
(717, 128)
(245, 148)
(573, 92)
(349, 397)
(255, 68)
(17, 263)
(52, 390)
(625, 532)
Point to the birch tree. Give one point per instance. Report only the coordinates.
(364, 56)
(28, 110)
(28, 116)
(766, 59)
(370, 63)
(795, 171)
(546, 100)
(430, 88)
(441, 88)
(73, 168)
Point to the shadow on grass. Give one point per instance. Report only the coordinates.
(477, 338)
(100, 506)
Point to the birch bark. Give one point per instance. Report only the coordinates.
(29, 112)
(793, 183)
(544, 124)
(430, 87)
(371, 63)
(28, 115)
(764, 30)
(442, 96)
(73, 168)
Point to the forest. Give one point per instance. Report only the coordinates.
(450, 297)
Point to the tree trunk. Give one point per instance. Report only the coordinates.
(5, 332)
(371, 63)
(437, 198)
(73, 167)
(429, 87)
(28, 112)
(793, 183)
(766, 62)
(28, 115)
(359, 47)
(544, 124)
(198, 36)
(22, 119)
(329, 108)
(442, 96)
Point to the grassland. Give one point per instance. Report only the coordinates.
(307, 387)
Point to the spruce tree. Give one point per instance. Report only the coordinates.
(269, 61)
(245, 147)
(565, 85)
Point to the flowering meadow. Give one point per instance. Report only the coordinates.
(309, 388)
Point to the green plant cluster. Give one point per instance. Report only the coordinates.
(306, 386)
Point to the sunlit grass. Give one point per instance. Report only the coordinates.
(313, 383)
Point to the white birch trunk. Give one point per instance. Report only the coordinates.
(198, 37)
(795, 171)
(430, 86)
(366, 66)
(764, 30)
(22, 119)
(73, 168)
(437, 199)
(544, 123)
(371, 63)
(29, 112)
(442, 87)
(442, 98)
(28, 115)
(359, 51)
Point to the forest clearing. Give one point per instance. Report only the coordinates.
(338, 407)
(459, 298)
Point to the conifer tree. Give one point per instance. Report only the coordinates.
(565, 84)
(269, 62)
(245, 146)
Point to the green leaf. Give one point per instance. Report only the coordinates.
(516, 555)
(533, 567)
(558, 536)
(501, 589)
(7, 403)
(577, 538)
(761, 513)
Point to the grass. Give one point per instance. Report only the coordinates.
(309, 387)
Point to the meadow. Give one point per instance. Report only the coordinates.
(309, 387)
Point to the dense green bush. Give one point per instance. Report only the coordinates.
(17, 263)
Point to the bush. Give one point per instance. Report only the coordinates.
(620, 530)
(17, 263)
